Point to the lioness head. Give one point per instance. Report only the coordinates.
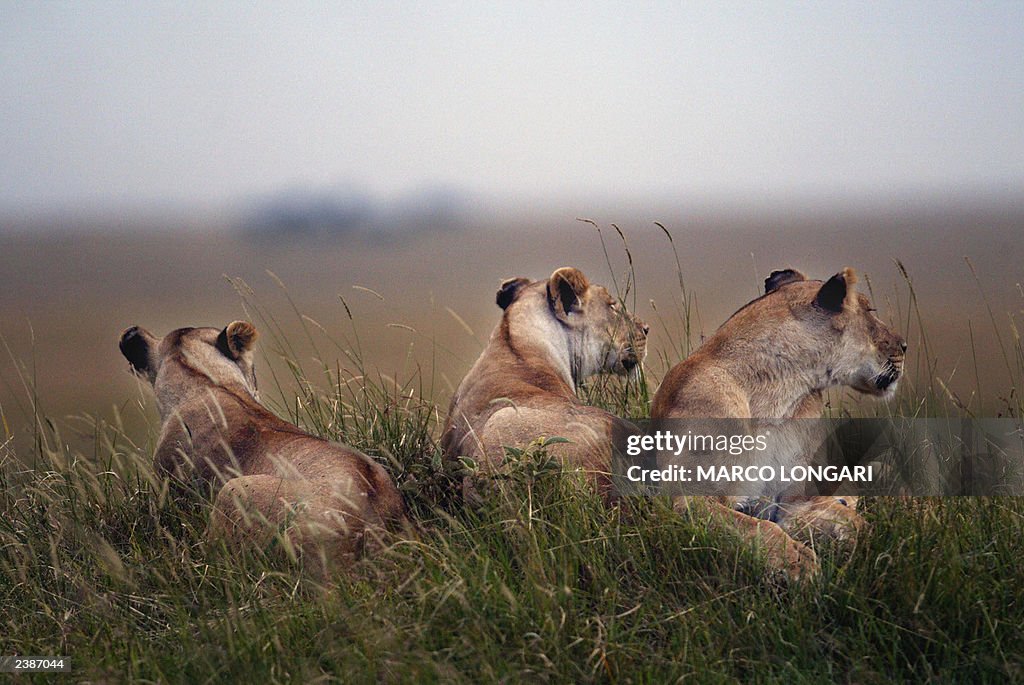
(186, 356)
(598, 332)
(865, 353)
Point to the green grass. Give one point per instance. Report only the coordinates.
(541, 583)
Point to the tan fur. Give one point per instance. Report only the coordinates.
(552, 335)
(772, 360)
(270, 476)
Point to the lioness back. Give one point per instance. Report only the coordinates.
(553, 334)
(269, 475)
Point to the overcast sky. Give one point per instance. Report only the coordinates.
(109, 104)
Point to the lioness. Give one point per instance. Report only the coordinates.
(553, 334)
(270, 476)
(772, 360)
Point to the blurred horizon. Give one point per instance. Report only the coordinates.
(331, 213)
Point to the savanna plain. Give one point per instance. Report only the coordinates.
(363, 341)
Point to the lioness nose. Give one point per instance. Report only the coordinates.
(645, 328)
(903, 345)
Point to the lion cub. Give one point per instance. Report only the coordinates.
(270, 476)
(772, 360)
(553, 334)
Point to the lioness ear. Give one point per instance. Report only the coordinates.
(508, 291)
(136, 347)
(837, 291)
(565, 290)
(777, 279)
(236, 339)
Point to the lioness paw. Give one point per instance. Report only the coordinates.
(790, 557)
(824, 521)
